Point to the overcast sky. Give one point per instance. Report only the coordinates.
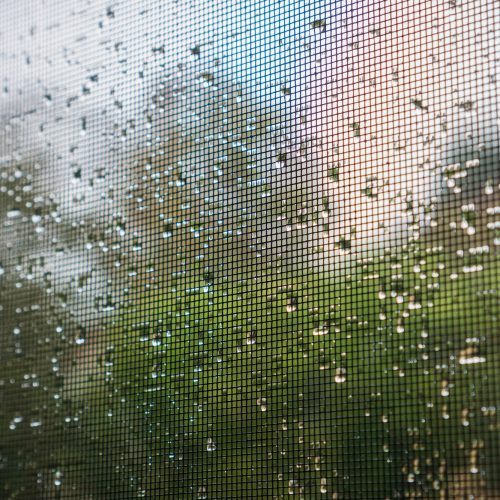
(87, 68)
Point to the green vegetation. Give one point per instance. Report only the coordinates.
(216, 380)
(372, 385)
(375, 384)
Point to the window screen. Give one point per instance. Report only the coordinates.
(249, 249)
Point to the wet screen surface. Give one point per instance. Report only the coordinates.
(249, 250)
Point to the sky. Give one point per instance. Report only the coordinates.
(369, 81)
(101, 55)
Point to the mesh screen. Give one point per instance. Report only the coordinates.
(249, 249)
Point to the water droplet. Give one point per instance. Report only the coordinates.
(262, 403)
(445, 390)
(251, 338)
(322, 485)
(58, 475)
(318, 24)
(291, 304)
(468, 356)
(211, 444)
(340, 375)
(323, 330)
(12, 214)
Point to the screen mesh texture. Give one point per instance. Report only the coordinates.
(249, 249)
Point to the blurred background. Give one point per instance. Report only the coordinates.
(249, 250)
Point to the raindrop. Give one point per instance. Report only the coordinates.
(251, 338)
(468, 356)
(211, 444)
(14, 213)
(318, 24)
(322, 488)
(445, 390)
(319, 331)
(340, 375)
(291, 304)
